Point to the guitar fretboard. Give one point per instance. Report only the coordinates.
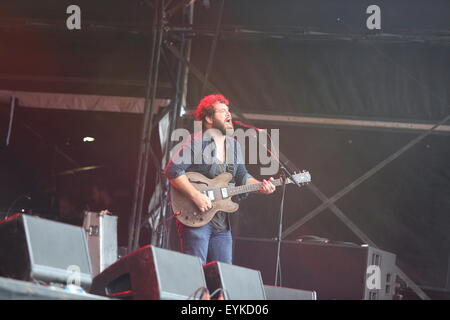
(232, 191)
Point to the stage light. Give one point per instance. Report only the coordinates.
(182, 111)
(88, 139)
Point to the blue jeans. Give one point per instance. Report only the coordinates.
(207, 243)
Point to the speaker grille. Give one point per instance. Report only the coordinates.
(40, 249)
(152, 273)
(238, 283)
(56, 244)
(179, 275)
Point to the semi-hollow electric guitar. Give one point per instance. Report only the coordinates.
(220, 193)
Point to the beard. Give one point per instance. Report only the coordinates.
(222, 127)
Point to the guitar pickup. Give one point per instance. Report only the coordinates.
(209, 194)
(224, 192)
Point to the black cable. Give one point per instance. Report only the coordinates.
(224, 295)
(203, 291)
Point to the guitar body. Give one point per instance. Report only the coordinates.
(187, 212)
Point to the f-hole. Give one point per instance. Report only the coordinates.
(198, 182)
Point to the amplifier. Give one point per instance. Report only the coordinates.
(333, 271)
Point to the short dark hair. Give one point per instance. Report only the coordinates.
(206, 106)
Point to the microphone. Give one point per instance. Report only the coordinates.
(248, 126)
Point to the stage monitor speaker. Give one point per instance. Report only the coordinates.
(237, 283)
(33, 248)
(11, 289)
(333, 271)
(282, 293)
(152, 273)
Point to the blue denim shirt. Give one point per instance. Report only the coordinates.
(199, 154)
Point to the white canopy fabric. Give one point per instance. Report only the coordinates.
(85, 102)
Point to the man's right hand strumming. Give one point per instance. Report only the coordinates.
(202, 201)
(183, 184)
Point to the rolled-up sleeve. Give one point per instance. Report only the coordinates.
(180, 162)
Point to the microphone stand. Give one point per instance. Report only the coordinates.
(283, 162)
(280, 230)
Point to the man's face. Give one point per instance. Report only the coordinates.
(221, 118)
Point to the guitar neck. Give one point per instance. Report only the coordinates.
(232, 191)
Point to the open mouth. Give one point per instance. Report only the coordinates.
(229, 122)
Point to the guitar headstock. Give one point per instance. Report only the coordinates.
(301, 178)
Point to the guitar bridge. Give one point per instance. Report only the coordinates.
(209, 194)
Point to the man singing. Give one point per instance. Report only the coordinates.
(213, 241)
